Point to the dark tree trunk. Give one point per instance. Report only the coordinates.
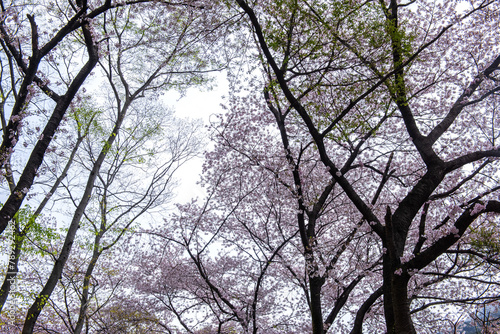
(12, 271)
(315, 284)
(388, 309)
(401, 306)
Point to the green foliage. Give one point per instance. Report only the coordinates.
(28, 225)
(85, 117)
(336, 32)
(485, 239)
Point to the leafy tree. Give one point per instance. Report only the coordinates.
(130, 185)
(166, 40)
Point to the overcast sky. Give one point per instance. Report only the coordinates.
(196, 104)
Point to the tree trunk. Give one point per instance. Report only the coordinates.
(396, 304)
(388, 309)
(12, 271)
(401, 306)
(315, 284)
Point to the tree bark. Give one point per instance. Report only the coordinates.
(403, 323)
(12, 271)
(315, 284)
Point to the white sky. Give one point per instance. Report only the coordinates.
(196, 104)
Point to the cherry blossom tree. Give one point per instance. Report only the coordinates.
(360, 167)
(402, 118)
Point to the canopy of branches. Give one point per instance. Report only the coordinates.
(351, 175)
